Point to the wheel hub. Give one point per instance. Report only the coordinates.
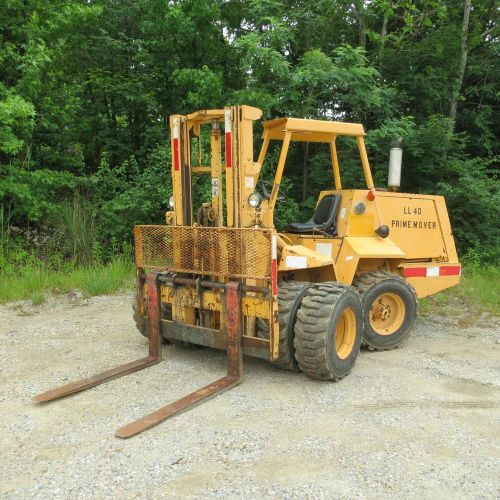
(382, 310)
(387, 313)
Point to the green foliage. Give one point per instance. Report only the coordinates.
(16, 121)
(287, 210)
(125, 196)
(86, 89)
(203, 88)
(479, 291)
(34, 195)
(33, 280)
(74, 227)
(100, 279)
(473, 200)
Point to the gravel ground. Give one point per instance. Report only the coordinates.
(418, 421)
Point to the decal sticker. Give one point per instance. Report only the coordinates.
(215, 187)
(324, 249)
(432, 271)
(295, 262)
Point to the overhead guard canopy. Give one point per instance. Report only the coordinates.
(311, 130)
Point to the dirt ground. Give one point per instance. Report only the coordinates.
(421, 421)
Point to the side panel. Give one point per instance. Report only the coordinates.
(446, 232)
(419, 224)
(428, 286)
(414, 225)
(420, 238)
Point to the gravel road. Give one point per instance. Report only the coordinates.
(421, 421)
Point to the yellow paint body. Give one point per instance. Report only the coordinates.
(241, 242)
(420, 236)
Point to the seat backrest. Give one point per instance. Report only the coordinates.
(323, 210)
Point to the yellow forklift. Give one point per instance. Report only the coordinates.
(220, 274)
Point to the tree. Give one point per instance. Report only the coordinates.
(461, 69)
(86, 88)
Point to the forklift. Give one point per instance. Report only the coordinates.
(305, 298)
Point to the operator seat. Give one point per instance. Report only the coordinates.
(323, 220)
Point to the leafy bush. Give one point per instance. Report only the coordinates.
(16, 120)
(74, 227)
(473, 201)
(124, 197)
(34, 195)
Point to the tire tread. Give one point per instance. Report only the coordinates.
(311, 329)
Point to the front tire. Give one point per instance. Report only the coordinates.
(290, 294)
(390, 308)
(328, 331)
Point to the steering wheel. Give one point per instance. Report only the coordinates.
(265, 186)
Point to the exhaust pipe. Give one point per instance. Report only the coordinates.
(395, 161)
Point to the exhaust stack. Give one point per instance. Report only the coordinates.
(395, 161)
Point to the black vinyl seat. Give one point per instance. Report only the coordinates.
(323, 220)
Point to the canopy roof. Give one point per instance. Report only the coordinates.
(311, 130)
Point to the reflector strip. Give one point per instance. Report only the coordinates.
(175, 136)
(227, 129)
(274, 266)
(431, 271)
(176, 154)
(415, 272)
(450, 271)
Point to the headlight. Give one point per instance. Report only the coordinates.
(254, 200)
(171, 202)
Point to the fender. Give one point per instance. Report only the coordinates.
(364, 247)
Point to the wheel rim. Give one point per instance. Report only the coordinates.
(345, 333)
(387, 313)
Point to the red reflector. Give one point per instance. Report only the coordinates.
(450, 271)
(228, 150)
(274, 271)
(176, 154)
(415, 272)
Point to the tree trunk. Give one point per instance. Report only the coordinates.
(360, 9)
(461, 70)
(305, 166)
(308, 27)
(383, 34)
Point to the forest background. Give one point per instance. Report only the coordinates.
(87, 86)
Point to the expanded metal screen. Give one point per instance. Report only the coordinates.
(213, 251)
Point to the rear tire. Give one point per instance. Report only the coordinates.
(328, 331)
(390, 308)
(290, 294)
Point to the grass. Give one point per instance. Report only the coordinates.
(34, 280)
(479, 290)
